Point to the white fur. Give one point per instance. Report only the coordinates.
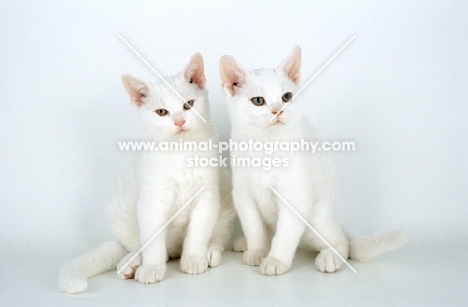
(273, 232)
(159, 183)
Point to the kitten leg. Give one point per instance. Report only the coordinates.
(221, 235)
(202, 222)
(327, 261)
(124, 225)
(289, 230)
(253, 227)
(153, 213)
(284, 244)
(225, 224)
(121, 211)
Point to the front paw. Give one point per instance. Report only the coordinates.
(327, 261)
(240, 244)
(272, 266)
(193, 265)
(150, 274)
(214, 258)
(254, 257)
(127, 271)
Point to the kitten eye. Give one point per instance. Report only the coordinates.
(258, 101)
(188, 105)
(161, 112)
(287, 96)
(142, 95)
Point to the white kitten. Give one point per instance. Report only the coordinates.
(159, 183)
(273, 232)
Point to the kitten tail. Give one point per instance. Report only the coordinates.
(73, 276)
(364, 249)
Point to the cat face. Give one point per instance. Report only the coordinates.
(256, 97)
(163, 113)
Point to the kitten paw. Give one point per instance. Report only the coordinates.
(150, 274)
(272, 266)
(214, 258)
(193, 265)
(128, 271)
(327, 261)
(254, 257)
(240, 244)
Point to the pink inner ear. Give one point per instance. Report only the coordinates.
(136, 89)
(138, 95)
(194, 72)
(294, 75)
(292, 65)
(196, 76)
(231, 74)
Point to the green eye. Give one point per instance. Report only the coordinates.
(287, 96)
(161, 112)
(188, 105)
(258, 101)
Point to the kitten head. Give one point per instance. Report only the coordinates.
(255, 97)
(164, 114)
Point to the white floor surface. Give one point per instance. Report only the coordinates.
(422, 273)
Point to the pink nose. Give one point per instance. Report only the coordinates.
(276, 112)
(179, 122)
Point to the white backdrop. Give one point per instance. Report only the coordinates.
(399, 91)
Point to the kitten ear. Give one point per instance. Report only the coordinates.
(291, 66)
(194, 72)
(136, 89)
(232, 75)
